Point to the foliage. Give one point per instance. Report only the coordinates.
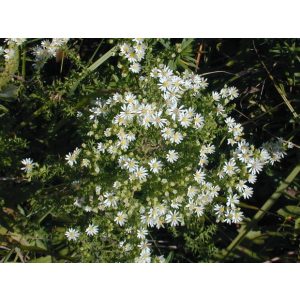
(51, 102)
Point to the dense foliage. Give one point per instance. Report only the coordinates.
(146, 150)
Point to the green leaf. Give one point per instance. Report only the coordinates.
(289, 211)
(10, 92)
(43, 259)
(297, 224)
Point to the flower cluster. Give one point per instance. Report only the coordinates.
(10, 51)
(134, 54)
(48, 49)
(158, 154)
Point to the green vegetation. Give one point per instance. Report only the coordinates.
(47, 89)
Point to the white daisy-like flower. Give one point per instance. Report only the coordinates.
(236, 216)
(248, 192)
(232, 93)
(157, 120)
(241, 185)
(176, 138)
(199, 176)
(131, 164)
(121, 218)
(230, 167)
(101, 147)
(28, 165)
(185, 120)
(230, 122)
(72, 234)
(71, 158)
(174, 218)
(216, 96)
(142, 233)
(124, 48)
(164, 84)
(155, 165)
(141, 173)
(167, 132)
(232, 200)
(92, 230)
(135, 68)
(172, 156)
(219, 210)
(252, 178)
(255, 166)
(198, 121)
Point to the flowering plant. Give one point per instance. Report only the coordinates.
(155, 154)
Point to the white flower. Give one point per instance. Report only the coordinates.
(174, 218)
(131, 55)
(199, 210)
(248, 192)
(142, 233)
(255, 166)
(230, 167)
(101, 147)
(155, 165)
(172, 156)
(138, 40)
(28, 165)
(9, 54)
(174, 112)
(167, 132)
(241, 185)
(252, 178)
(219, 210)
(121, 218)
(230, 122)
(124, 48)
(176, 138)
(71, 158)
(232, 93)
(92, 230)
(232, 200)
(165, 83)
(135, 68)
(185, 120)
(157, 120)
(141, 173)
(154, 73)
(236, 216)
(198, 121)
(131, 165)
(199, 176)
(216, 96)
(72, 234)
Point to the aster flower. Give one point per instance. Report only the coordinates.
(176, 138)
(121, 218)
(174, 218)
(155, 165)
(255, 166)
(71, 158)
(230, 167)
(72, 234)
(199, 176)
(92, 230)
(172, 156)
(28, 165)
(141, 173)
